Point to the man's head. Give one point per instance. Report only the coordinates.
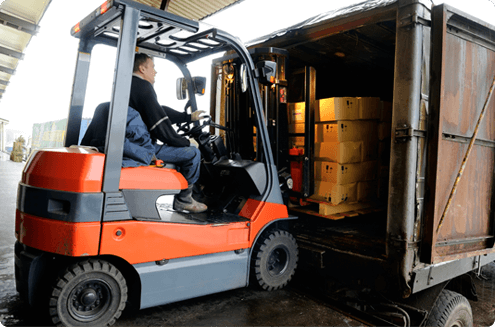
(144, 67)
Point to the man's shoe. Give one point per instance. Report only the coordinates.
(192, 207)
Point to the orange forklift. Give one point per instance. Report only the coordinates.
(91, 237)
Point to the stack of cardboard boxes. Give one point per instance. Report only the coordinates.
(17, 151)
(347, 147)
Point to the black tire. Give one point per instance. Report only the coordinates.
(451, 309)
(274, 260)
(89, 293)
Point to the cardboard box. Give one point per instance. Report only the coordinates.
(369, 108)
(384, 130)
(296, 128)
(335, 193)
(296, 112)
(386, 111)
(334, 172)
(346, 152)
(337, 109)
(341, 152)
(346, 130)
(367, 191)
(347, 108)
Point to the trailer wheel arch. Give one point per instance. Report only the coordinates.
(428, 299)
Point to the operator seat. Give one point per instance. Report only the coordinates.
(138, 152)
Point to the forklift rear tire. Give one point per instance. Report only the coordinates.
(274, 260)
(89, 293)
(451, 309)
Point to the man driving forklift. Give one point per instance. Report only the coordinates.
(174, 149)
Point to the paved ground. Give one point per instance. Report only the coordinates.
(243, 307)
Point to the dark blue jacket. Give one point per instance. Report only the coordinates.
(138, 147)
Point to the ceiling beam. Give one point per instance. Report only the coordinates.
(18, 24)
(7, 70)
(11, 53)
(2, 82)
(164, 5)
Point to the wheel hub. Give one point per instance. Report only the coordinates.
(89, 300)
(278, 261)
(88, 297)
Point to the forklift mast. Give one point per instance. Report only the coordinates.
(239, 116)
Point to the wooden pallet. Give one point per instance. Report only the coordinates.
(340, 211)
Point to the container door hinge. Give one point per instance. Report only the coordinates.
(414, 19)
(405, 133)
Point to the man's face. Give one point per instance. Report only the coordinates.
(148, 71)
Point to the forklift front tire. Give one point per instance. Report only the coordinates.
(274, 260)
(89, 293)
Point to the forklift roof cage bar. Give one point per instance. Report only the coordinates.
(92, 29)
(120, 100)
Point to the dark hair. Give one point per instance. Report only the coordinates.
(140, 59)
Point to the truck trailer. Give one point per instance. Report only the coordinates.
(433, 70)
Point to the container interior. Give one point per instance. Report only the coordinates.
(354, 63)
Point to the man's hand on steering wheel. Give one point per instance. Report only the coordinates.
(195, 116)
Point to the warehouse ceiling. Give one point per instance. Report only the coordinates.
(191, 9)
(19, 22)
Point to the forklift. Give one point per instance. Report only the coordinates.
(91, 238)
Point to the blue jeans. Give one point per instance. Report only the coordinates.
(186, 158)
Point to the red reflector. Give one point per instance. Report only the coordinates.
(76, 28)
(104, 7)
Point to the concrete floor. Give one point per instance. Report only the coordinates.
(243, 307)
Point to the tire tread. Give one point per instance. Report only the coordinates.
(260, 248)
(71, 272)
(446, 303)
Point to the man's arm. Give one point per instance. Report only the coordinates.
(176, 116)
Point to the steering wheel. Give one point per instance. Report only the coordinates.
(186, 128)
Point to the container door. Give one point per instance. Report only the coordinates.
(459, 219)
